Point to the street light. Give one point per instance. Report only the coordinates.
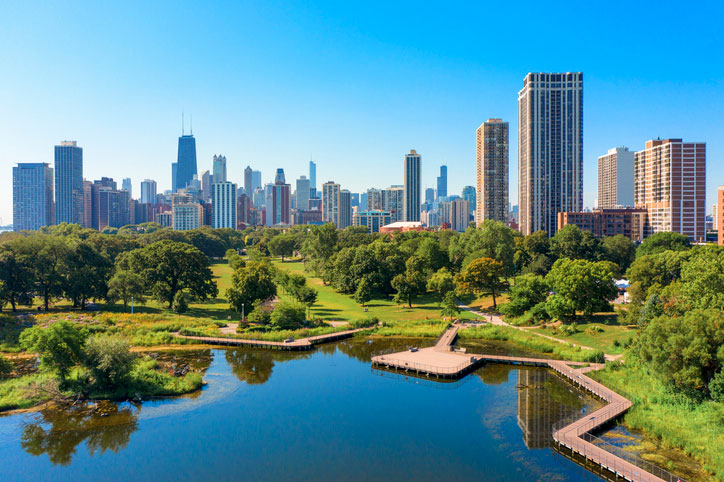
(242, 312)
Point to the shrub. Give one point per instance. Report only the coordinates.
(179, 303)
(60, 345)
(5, 367)
(287, 316)
(716, 387)
(109, 359)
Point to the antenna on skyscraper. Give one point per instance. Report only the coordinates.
(182, 122)
(192, 124)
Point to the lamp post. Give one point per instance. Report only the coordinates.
(242, 312)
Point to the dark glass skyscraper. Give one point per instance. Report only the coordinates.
(186, 161)
(32, 196)
(69, 183)
(442, 182)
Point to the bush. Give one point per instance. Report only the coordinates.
(60, 345)
(5, 367)
(594, 356)
(109, 360)
(179, 303)
(366, 323)
(287, 316)
(716, 387)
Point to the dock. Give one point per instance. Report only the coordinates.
(574, 438)
(301, 344)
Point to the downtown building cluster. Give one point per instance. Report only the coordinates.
(658, 188)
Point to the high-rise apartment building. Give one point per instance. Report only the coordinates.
(302, 193)
(550, 149)
(412, 190)
(491, 200)
(616, 179)
(187, 216)
(458, 214)
(223, 195)
(68, 183)
(393, 202)
(670, 183)
(87, 204)
(278, 201)
(128, 186)
(373, 220)
(207, 180)
(330, 202)
(219, 168)
(186, 161)
(148, 191)
(345, 209)
(442, 182)
(248, 183)
(470, 195)
(719, 215)
(374, 200)
(33, 205)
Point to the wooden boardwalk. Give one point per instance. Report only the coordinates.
(296, 345)
(443, 361)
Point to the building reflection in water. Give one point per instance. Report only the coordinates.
(543, 400)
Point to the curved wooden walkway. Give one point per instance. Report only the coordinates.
(296, 345)
(442, 361)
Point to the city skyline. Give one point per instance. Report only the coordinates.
(345, 114)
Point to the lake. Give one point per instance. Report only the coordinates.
(325, 414)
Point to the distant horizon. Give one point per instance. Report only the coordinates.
(268, 85)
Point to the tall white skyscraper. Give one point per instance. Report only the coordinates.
(219, 168)
(148, 191)
(223, 196)
(616, 178)
(413, 187)
(302, 194)
(550, 149)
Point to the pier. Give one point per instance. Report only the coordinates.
(573, 438)
(301, 344)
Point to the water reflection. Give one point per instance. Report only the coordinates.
(255, 366)
(57, 432)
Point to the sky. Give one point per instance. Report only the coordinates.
(352, 85)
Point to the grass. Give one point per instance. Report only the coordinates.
(601, 332)
(430, 328)
(334, 306)
(24, 392)
(696, 428)
(531, 342)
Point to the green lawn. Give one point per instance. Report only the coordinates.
(333, 306)
(601, 332)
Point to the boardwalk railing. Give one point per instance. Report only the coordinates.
(421, 367)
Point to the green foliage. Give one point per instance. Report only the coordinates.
(60, 346)
(449, 306)
(702, 278)
(652, 309)
(650, 273)
(287, 316)
(441, 282)
(126, 285)
(588, 285)
(660, 242)
(282, 245)
(560, 308)
(180, 305)
(492, 239)
(5, 367)
(716, 387)
(260, 313)
(410, 284)
(527, 291)
(482, 276)
(364, 291)
(319, 247)
(573, 243)
(619, 250)
(87, 270)
(253, 283)
(109, 360)
(685, 351)
(15, 279)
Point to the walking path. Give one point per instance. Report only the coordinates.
(497, 320)
(294, 345)
(442, 360)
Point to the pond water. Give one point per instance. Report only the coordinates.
(324, 414)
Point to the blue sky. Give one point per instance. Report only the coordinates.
(356, 85)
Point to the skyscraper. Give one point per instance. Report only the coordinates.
(279, 178)
(430, 195)
(492, 171)
(126, 184)
(470, 195)
(223, 204)
(345, 209)
(302, 195)
(550, 149)
(411, 208)
(148, 191)
(33, 205)
(393, 199)
(255, 180)
(312, 175)
(219, 168)
(278, 197)
(68, 183)
(670, 183)
(442, 182)
(186, 163)
(207, 180)
(248, 183)
(616, 178)
(330, 202)
(374, 200)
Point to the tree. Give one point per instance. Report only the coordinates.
(560, 308)
(364, 292)
(60, 345)
(287, 316)
(663, 242)
(702, 278)
(526, 292)
(492, 239)
(86, 273)
(282, 245)
(255, 282)
(652, 272)
(16, 282)
(684, 351)
(169, 267)
(44, 254)
(410, 284)
(573, 243)
(620, 250)
(307, 296)
(432, 254)
(109, 359)
(482, 276)
(442, 282)
(319, 247)
(449, 305)
(180, 305)
(126, 285)
(588, 285)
